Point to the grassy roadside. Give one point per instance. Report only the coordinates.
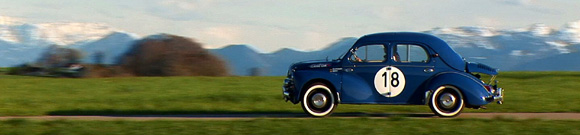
(395, 125)
(19, 95)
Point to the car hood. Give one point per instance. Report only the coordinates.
(314, 64)
(481, 68)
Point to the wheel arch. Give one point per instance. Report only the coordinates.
(319, 80)
(471, 88)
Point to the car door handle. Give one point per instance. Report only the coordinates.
(428, 70)
(348, 70)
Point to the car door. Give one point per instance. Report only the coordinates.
(415, 65)
(359, 71)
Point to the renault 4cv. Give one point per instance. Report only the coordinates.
(396, 68)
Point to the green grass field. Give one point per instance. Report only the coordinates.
(24, 96)
(334, 126)
(20, 95)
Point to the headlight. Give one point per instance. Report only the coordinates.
(291, 73)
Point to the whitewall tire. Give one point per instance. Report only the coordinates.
(318, 100)
(447, 101)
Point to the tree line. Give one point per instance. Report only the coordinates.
(168, 56)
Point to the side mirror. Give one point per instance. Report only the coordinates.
(435, 55)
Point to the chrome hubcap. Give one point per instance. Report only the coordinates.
(447, 100)
(318, 100)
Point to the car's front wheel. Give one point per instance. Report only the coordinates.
(446, 101)
(318, 100)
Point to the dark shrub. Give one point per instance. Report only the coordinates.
(169, 55)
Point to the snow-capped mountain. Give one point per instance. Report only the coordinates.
(511, 49)
(540, 30)
(506, 49)
(16, 31)
(22, 42)
(570, 33)
(503, 49)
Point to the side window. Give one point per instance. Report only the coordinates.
(407, 53)
(369, 53)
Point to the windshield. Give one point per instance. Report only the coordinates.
(342, 55)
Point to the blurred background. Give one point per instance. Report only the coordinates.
(262, 38)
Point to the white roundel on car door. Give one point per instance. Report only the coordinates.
(389, 81)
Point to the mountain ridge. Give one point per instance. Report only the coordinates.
(507, 49)
(18, 32)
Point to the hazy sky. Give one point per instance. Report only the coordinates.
(304, 25)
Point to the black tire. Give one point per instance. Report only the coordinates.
(447, 101)
(318, 100)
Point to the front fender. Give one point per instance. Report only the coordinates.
(473, 89)
(304, 77)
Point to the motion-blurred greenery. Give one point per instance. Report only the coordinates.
(334, 126)
(22, 95)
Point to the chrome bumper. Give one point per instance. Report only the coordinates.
(288, 89)
(497, 96)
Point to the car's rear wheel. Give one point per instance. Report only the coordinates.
(447, 101)
(318, 100)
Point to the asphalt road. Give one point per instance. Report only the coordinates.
(546, 116)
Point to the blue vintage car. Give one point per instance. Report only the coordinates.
(400, 68)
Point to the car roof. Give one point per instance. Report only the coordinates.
(439, 46)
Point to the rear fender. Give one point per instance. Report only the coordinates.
(473, 89)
